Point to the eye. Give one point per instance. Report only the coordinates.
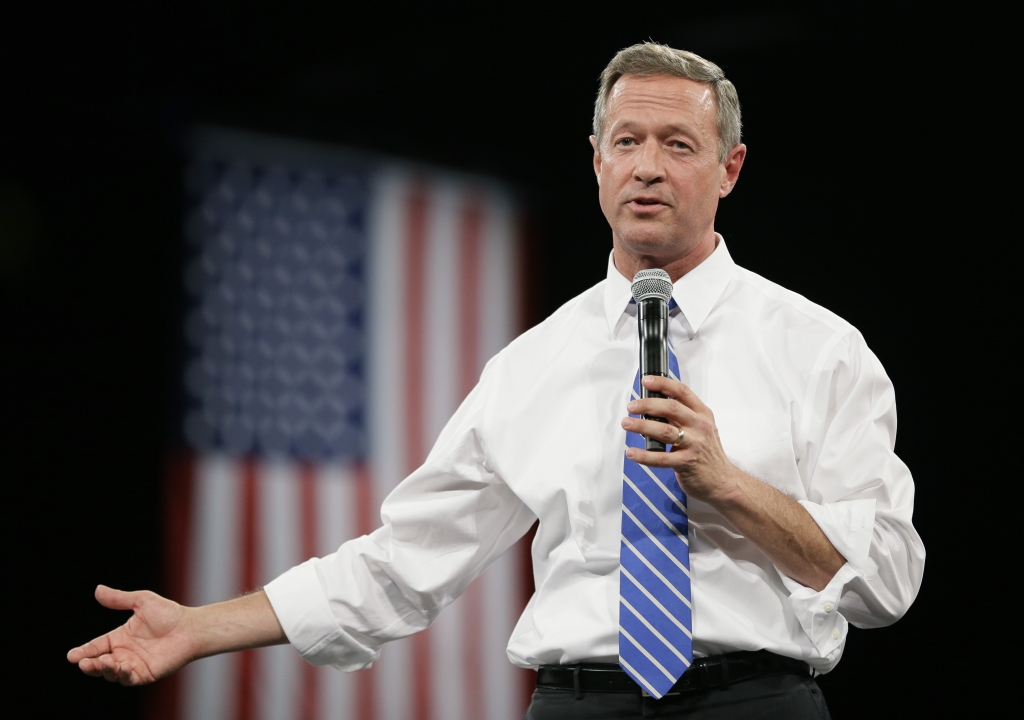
(680, 145)
(626, 142)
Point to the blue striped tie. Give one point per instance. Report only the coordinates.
(655, 612)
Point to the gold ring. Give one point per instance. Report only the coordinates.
(679, 438)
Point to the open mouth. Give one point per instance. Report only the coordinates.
(643, 203)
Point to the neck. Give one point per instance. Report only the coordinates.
(629, 263)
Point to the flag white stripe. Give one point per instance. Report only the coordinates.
(214, 561)
(386, 372)
(442, 317)
(501, 678)
(447, 661)
(499, 288)
(336, 523)
(278, 535)
(443, 341)
(499, 304)
(386, 315)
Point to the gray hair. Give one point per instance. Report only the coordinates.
(649, 59)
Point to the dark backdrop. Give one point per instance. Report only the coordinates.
(878, 151)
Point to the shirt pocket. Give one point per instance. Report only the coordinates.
(761, 445)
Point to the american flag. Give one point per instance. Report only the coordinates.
(340, 308)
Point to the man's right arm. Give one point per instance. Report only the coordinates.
(162, 636)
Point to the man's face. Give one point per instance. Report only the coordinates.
(657, 167)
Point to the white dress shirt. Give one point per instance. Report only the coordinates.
(800, 403)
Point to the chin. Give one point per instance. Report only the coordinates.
(647, 241)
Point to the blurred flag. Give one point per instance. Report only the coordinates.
(340, 308)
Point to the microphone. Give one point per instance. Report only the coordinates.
(652, 290)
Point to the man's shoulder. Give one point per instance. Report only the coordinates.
(550, 336)
(775, 298)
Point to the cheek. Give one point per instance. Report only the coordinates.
(683, 187)
(608, 187)
(696, 184)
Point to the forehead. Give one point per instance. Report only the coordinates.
(662, 98)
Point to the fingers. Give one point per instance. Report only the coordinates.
(667, 433)
(114, 671)
(110, 669)
(92, 649)
(674, 389)
(651, 459)
(671, 410)
(111, 598)
(90, 666)
(116, 599)
(681, 409)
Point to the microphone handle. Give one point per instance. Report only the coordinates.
(652, 322)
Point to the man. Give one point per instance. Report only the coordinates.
(734, 561)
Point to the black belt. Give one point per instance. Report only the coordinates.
(717, 671)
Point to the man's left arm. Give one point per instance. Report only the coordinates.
(780, 527)
(855, 529)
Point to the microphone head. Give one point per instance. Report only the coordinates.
(652, 284)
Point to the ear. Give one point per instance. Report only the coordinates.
(732, 165)
(597, 159)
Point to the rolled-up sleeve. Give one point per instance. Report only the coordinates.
(861, 495)
(442, 526)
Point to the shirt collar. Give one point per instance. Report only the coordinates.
(695, 293)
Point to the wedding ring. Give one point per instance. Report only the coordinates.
(679, 439)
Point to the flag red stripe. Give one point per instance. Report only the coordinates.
(415, 331)
(471, 222)
(528, 290)
(415, 353)
(309, 701)
(178, 489)
(469, 293)
(163, 701)
(365, 680)
(246, 707)
(526, 238)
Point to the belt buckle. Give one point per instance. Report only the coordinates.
(644, 693)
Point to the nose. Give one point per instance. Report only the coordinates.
(650, 164)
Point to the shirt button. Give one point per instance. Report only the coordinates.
(835, 634)
(828, 607)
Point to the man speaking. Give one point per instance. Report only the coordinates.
(731, 561)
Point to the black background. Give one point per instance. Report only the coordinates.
(880, 145)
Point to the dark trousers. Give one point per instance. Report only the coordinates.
(778, 697)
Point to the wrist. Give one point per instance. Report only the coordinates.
(730, 492)
(196, 623)
(240, 624)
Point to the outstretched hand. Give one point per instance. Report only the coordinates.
(153, 643)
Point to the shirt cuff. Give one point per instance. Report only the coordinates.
(305, 615)
(818, 613)
(849, 527)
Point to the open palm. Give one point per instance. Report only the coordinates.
(152, 644)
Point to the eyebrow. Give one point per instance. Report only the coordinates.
(673, 129)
